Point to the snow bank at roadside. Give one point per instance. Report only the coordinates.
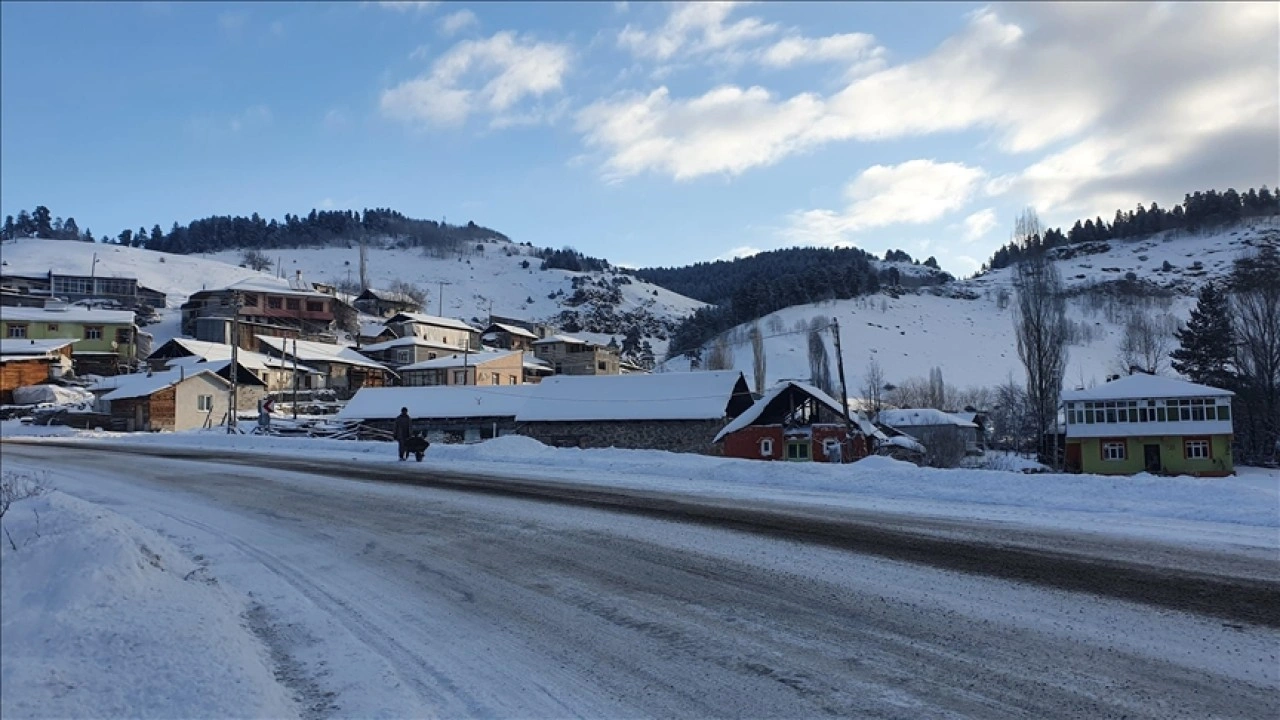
(100, 617)
(876, 482)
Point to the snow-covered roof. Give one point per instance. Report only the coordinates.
(1140, 386)
(311, 351)
(407, 341)
(459, 359)
(906, 441)
(142, 384)
(921, 417)
(71, 313)
(513, 330)
(753, 413)
(431, 320)
(562, 339)
(389, 296)
(215, 352)
(24, 346)
(275, 286)
(437, 401)
(665, 396)
(372, 328)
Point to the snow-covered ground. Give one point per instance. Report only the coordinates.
(152, 602)
(105, 618)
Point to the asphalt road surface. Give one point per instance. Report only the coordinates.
(501, 597)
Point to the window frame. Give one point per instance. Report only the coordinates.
(204, 403)
(17, 331)
(93, 332)
(1107, 444)
(1200, 443)
(275, 302)
(766, 447)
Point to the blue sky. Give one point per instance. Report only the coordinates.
(645, 133)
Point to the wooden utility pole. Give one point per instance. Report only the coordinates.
(442, 283)
(295, 379)
(235, 361)
(844, 391)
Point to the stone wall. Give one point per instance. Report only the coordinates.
(685, 436)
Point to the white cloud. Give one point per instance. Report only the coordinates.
(453, 23)
(502, 71)
(621, 6)
(740, 252)
(914, 192)
(694, 28)
(977, 225)
(335, 119)
(409, 5)
(1133, 99)
(255, 116)
(845, 48)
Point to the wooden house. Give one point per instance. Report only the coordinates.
(798, 422)
(440, 330)
(276, 374)
(105, 340)
(385, 303)
(31, 362)
(177, 399)
(340, 368)
(508, 337)
(451, 414)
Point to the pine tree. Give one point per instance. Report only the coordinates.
(1208, 341)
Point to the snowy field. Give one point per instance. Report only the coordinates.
(124, 598)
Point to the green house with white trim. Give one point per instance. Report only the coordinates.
(1145, 423)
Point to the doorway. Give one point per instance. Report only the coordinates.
(1151, 458)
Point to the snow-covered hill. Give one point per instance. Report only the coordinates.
(491, 278)
(967, 330)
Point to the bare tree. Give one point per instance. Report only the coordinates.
(1147, 343)
(255, 259)
(720, 357)
(873, 388)
(1256, 316)
(820, 360)
(409, 290)
(937, 390)
(1040, 324)
(1009, 416)
(757, 357)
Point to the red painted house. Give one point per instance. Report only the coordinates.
(798, 422)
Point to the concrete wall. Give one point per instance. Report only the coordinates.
(187, 414)
(686, 436)
(1172, 456)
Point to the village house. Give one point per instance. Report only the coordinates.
(440, 330)
(31, 362)
(265, 301)
(798, 422)
(443, 414)
(573, 356)
(122, 290)
(385, 303)
(276, 374)
(508, 337)
(399, 352)
(1147, 423)
(341, 368)
(177, 399)
(489, 367)
(371, 331)
(250, 389)
(679, 412)
(946, 437)
(105, 341)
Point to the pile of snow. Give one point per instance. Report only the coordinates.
(52, 395)
(100, 617)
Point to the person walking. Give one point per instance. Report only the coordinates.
(402, 430)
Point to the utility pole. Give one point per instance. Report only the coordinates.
(235, 361)
(844, 391)
(295, 379)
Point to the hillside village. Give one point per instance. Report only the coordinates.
(586, 358)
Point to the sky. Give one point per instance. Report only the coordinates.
(649, 134)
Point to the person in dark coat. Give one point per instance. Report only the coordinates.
(402, 430)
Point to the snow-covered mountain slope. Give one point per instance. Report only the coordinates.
(968, 330)
(493, 279)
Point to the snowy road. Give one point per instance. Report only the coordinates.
(394, 601)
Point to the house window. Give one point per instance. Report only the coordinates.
(123, 335)
(250, 300)
(459, 377)
(1196, 450)
(766, 447)
(315, 306)
(273, 303)
(204, 403)
(512, 380)
(798, 450)
(292, 304)
(403, 355)
(92, 332)
(17, 331)
(1115, 450)
(53, 327)
(1224, 412)
(497, 379)
(601, 366)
